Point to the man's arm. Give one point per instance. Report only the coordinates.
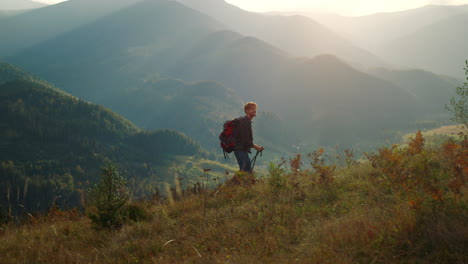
(250, 139)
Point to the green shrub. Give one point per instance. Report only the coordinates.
(277, 179)
(106, 199)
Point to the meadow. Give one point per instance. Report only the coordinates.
(403, 204)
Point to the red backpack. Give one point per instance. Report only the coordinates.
(228, 137)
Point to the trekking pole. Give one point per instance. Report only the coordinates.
(255, 158)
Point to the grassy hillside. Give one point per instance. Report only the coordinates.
(438, 135)
(403, 205)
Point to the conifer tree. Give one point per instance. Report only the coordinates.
(107, 198)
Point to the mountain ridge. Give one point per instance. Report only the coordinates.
(254, 69)
(20, 5)
(54, 143)
(298, 35)
(27, 29)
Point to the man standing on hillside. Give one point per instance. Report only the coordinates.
(245, 138)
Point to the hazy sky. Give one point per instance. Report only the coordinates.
(344, 7)
(49, 1)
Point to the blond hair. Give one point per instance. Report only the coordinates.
(249, 105)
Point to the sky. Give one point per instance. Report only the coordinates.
(342, 7)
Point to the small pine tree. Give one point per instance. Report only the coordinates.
(459, 105)
(3, 216)
(107, 198)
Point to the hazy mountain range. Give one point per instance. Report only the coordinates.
(108, 58)
(19, 4)
(432, 37)
(430, 89)
(298, 35)
(376, 29)
(440, 47)
(38, 25)
(119, 52)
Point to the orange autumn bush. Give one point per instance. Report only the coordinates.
(424, 175)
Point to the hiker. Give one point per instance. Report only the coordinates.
(245, 138)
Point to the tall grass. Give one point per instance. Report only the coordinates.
(403, 205)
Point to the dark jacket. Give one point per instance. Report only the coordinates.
(244, 134)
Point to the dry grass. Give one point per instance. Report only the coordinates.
(445, 130)
(441, 133)
(356, 218)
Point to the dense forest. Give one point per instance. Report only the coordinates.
(52, 144)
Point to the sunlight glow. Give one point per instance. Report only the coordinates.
(50, 2)
(343, 7)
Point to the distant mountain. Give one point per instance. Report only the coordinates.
(431, 90)
(4, 14)
(440, 47)
(52, 144)
(298, 35)
(372, 31)
(165, 38)
(141, 33)
(33, 27)
(145, 47)
(9, 72)
(111, 52)
(431, 37)
(19, 4)
(197, 109)
(324, 90)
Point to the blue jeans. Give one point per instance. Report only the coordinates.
(243, 160)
